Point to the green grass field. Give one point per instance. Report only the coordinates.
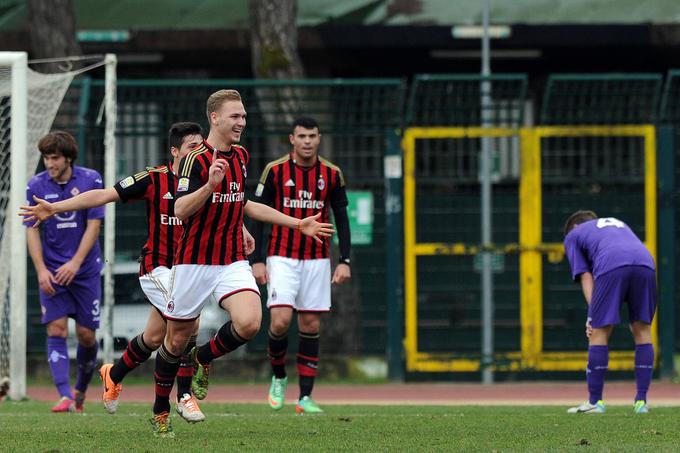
(28, 426)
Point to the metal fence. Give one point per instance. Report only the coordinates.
(600, 172)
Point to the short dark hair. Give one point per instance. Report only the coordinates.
(306, 122)
(59, 142)
(178, 131)
(577, 218)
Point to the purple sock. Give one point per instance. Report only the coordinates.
(57, 357)
(644, 367)
(598, 362)
(86, 359)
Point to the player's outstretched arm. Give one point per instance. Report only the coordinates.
(307, 226)
(43, 210)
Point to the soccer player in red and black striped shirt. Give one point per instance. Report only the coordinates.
(298, 271)
(210, 258)
(157, 187)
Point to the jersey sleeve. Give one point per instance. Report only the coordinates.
(575, 255)
(99, 211)
(338, 194)
(339, 202)
(191, 175)
(133, 187)
(266, 190)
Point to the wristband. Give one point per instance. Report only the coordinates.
(344, 260)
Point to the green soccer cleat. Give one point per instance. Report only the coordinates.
(587, 408)
(160, 423)
(199, 383)
(306, 405)
(277, 393)
(641, 407)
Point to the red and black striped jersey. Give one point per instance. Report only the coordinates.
(158, 187)
(214, 233)
(300, 192)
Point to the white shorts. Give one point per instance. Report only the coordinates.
(156, 287)
(192, 285)
(304, 285)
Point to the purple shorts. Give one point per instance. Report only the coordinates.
(634, 285)
(80, 300)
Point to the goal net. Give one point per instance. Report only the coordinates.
(29, 103)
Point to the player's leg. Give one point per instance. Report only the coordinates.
(186, 367)
(308, 360)
(280, 318)
(167, 361)
(238, 295)
(245, 312)
(641, 308)
(603, 312)
(282, 289)
(156, 289)
(138, 351)
(644, 363)
(87, 294)
(167, 365)
(57, 357)
(190, 286)
(86, 359)
(187, 406)
(314, 299)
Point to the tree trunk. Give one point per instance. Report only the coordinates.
(52, 28)
(274, 51)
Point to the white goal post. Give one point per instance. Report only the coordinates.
(29, 102)
(18, 61)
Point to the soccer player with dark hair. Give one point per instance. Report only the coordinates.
(613, 267)
(157, 187)
(210, 260)
(297, 270)
(66, 255)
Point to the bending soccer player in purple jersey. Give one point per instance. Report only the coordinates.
(67, 258)
(613, 267)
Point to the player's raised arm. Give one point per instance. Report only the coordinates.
(43, 209)
(187, 205)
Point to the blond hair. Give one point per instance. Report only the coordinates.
(218, 98)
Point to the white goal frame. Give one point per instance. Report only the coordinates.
(18, 62)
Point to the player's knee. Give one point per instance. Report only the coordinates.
(279, 326)
(154, 340)
(248, 328)
(86, 337)
(57, 331)
(177, 344)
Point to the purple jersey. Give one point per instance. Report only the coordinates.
(601, 245)
(62, 233)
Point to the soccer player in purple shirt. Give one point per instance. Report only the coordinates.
(67, 258)
(613, 267)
